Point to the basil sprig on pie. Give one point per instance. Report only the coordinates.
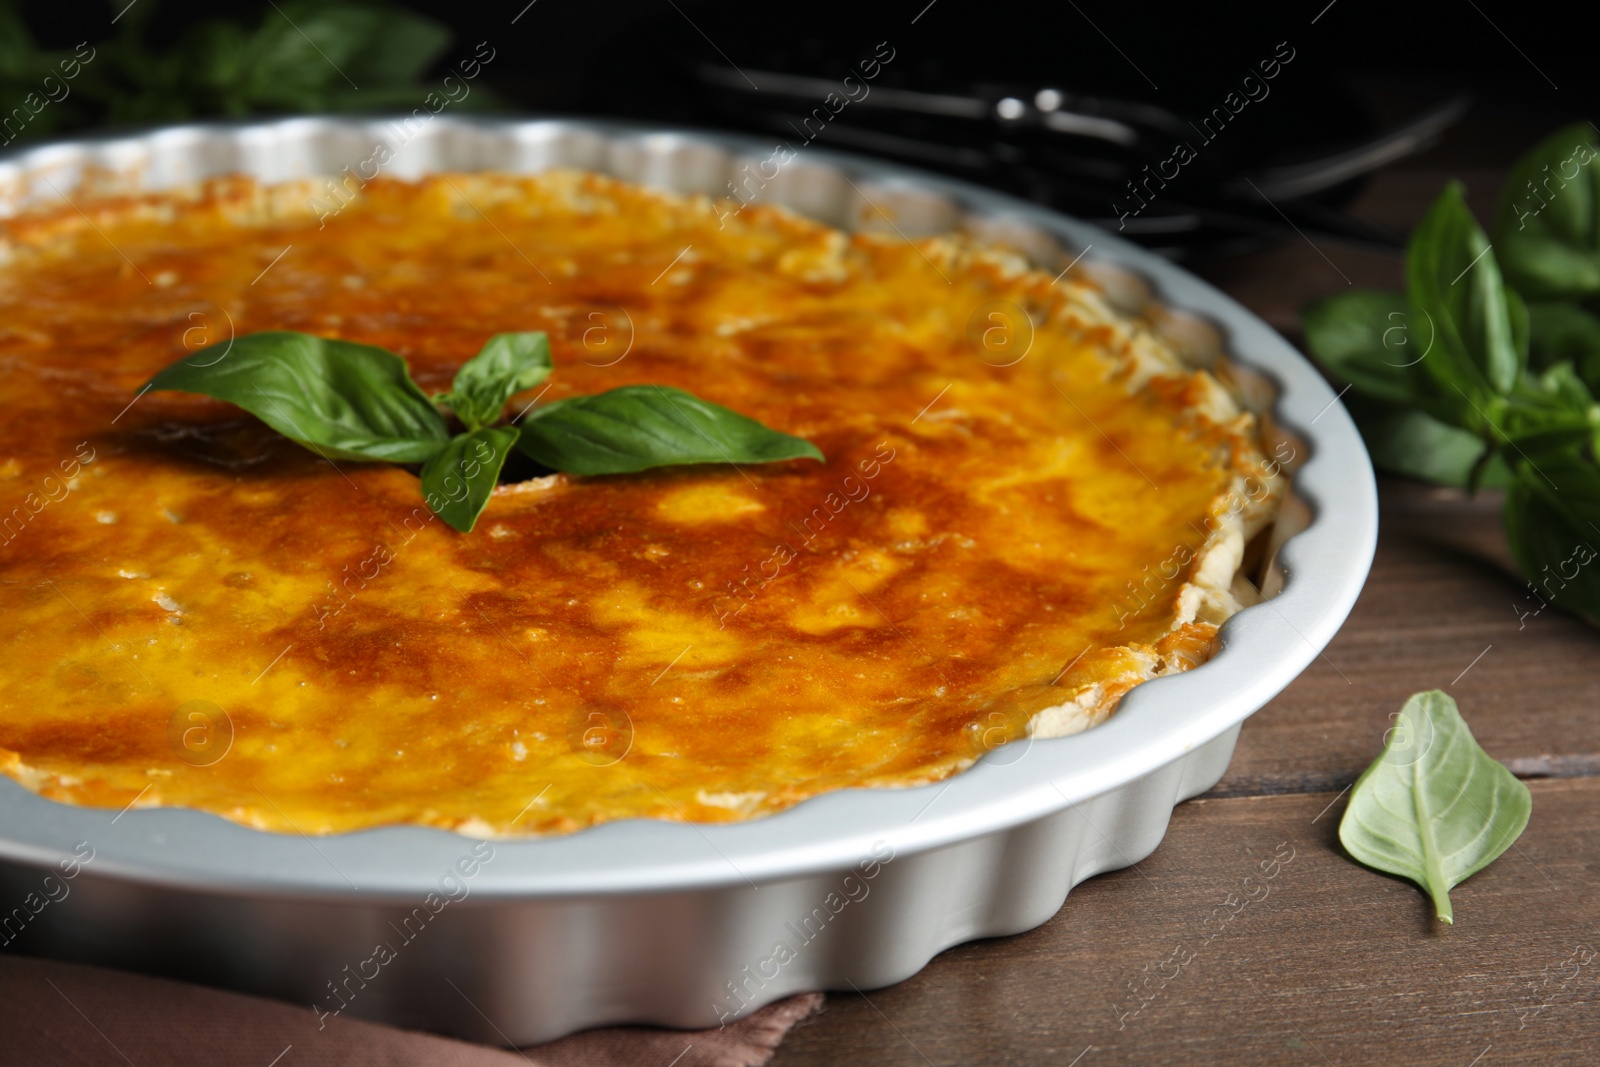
(351, 401)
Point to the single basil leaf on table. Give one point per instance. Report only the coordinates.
(1455, 284)
(340, 399)
(636, 427)
(1366, 338)
(507, 364)
(1548, 231)
(1552, 521)
(1435, 807)
(457, 480)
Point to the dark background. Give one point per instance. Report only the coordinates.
(1359, 65)
(578, 56)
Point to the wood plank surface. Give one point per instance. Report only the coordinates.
(1431, 619)
(1197, 956)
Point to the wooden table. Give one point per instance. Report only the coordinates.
(1335, 964)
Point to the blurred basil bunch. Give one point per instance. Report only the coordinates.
(1485, 371)
(355, 55)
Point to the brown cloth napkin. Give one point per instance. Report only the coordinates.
(65, 1015)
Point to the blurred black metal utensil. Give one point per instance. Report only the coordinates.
(1086, 149)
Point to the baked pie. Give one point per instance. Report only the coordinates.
(1031, 503)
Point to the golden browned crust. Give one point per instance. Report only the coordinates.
(1003, 541)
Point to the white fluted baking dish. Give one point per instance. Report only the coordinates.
(668, 923)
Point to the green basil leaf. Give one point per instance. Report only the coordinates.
(1565, 333)
(19, 55)
(1550, 409)
(1412, 443)
(1561, 382)
(1435, 807)
(301, 56)
(507, 364)
(340, 399)
(1455, 284)
(395, 49)
(1521, 322)
(1552, 524)
(636, 427)
(373, 46)
(457, 480)
(1365, 338)
(306, 56)
(1548, 232)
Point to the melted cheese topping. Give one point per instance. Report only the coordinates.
(1029, 506)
